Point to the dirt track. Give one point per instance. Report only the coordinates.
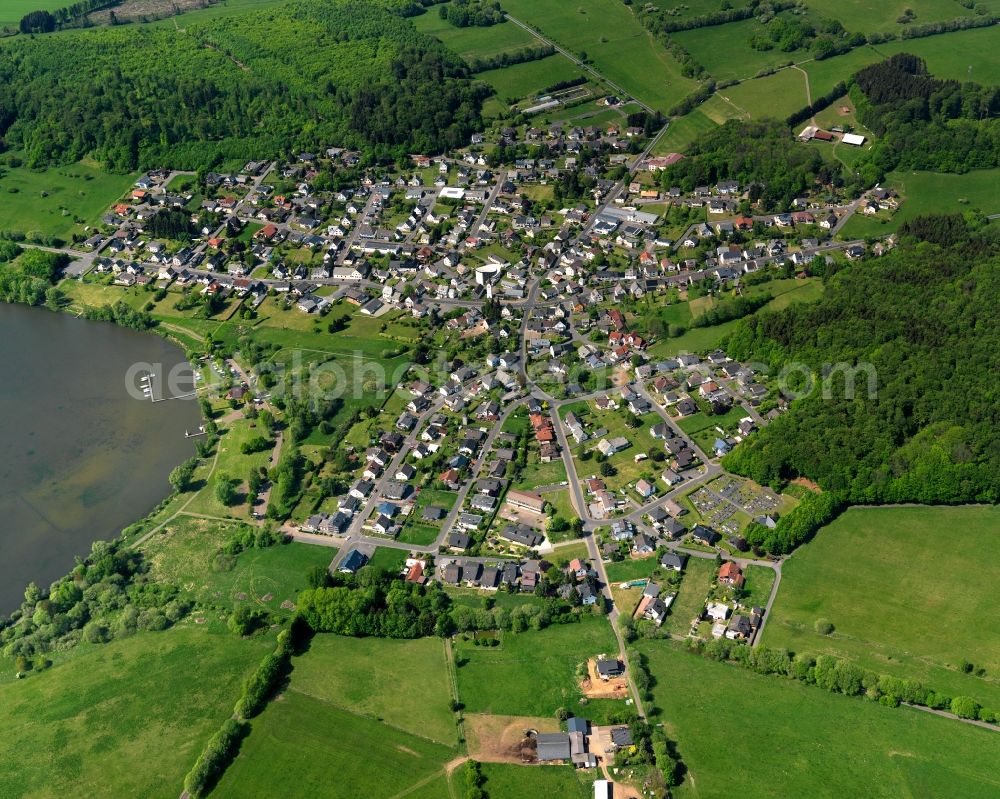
(498, 739)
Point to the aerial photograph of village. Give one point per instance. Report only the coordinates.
(499, 399)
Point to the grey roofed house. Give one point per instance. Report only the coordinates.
(472, 571)
(432, 513)
(459, 541)
(673, 528)
(739, 627)
(521, 534)
(552, 746)
(671, 560)
(587, 594)
(490, 578)
(452, 574)
(705, 535)
(508, 576)
(469, 521)
(576, 724)
(353, 561)
(658, 515)
(609, 667)
(394, 489)
(483, 502)
(621, 736)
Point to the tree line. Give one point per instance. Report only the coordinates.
(840, 676)
(510, 57)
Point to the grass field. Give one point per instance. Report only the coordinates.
(184, 555)
(122, 719)
(541, 474)
(684, 131)
(725, 51)
(50, 201)
(775, 96)
(11, 11)
(902, 599)
(234, 464)
(931, 193)
(614, 41)
(474, 42)
(401, 683)
(775, 738)
(388, 559)
(698, 339)
(951, 55)
(759, 581)
(509, 781)
(867, 16)
(719, 110)
(325, 751)
(948, 55)
(530, 78)
(530, 673)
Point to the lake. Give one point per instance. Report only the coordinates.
(80, 458)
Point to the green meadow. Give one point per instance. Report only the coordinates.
(126, 718)
(867, 16)
(474, 42)
(614, 42)
(401, 683)
(775, 96)
(326, 751)
(774, 737)
(725, 51)
(185, 554)
(58, 201)
(530, 78)
(685, 131)
(360, 717)
(510, 781)
(11, 11)
(903, 588)
(530, 673)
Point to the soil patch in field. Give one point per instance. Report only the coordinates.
(594, 687)
(504, 739)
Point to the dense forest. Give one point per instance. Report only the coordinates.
(760, 155)
(296, 76)
(925, 123)
(923, 318)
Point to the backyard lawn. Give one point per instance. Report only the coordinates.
(699, 574)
